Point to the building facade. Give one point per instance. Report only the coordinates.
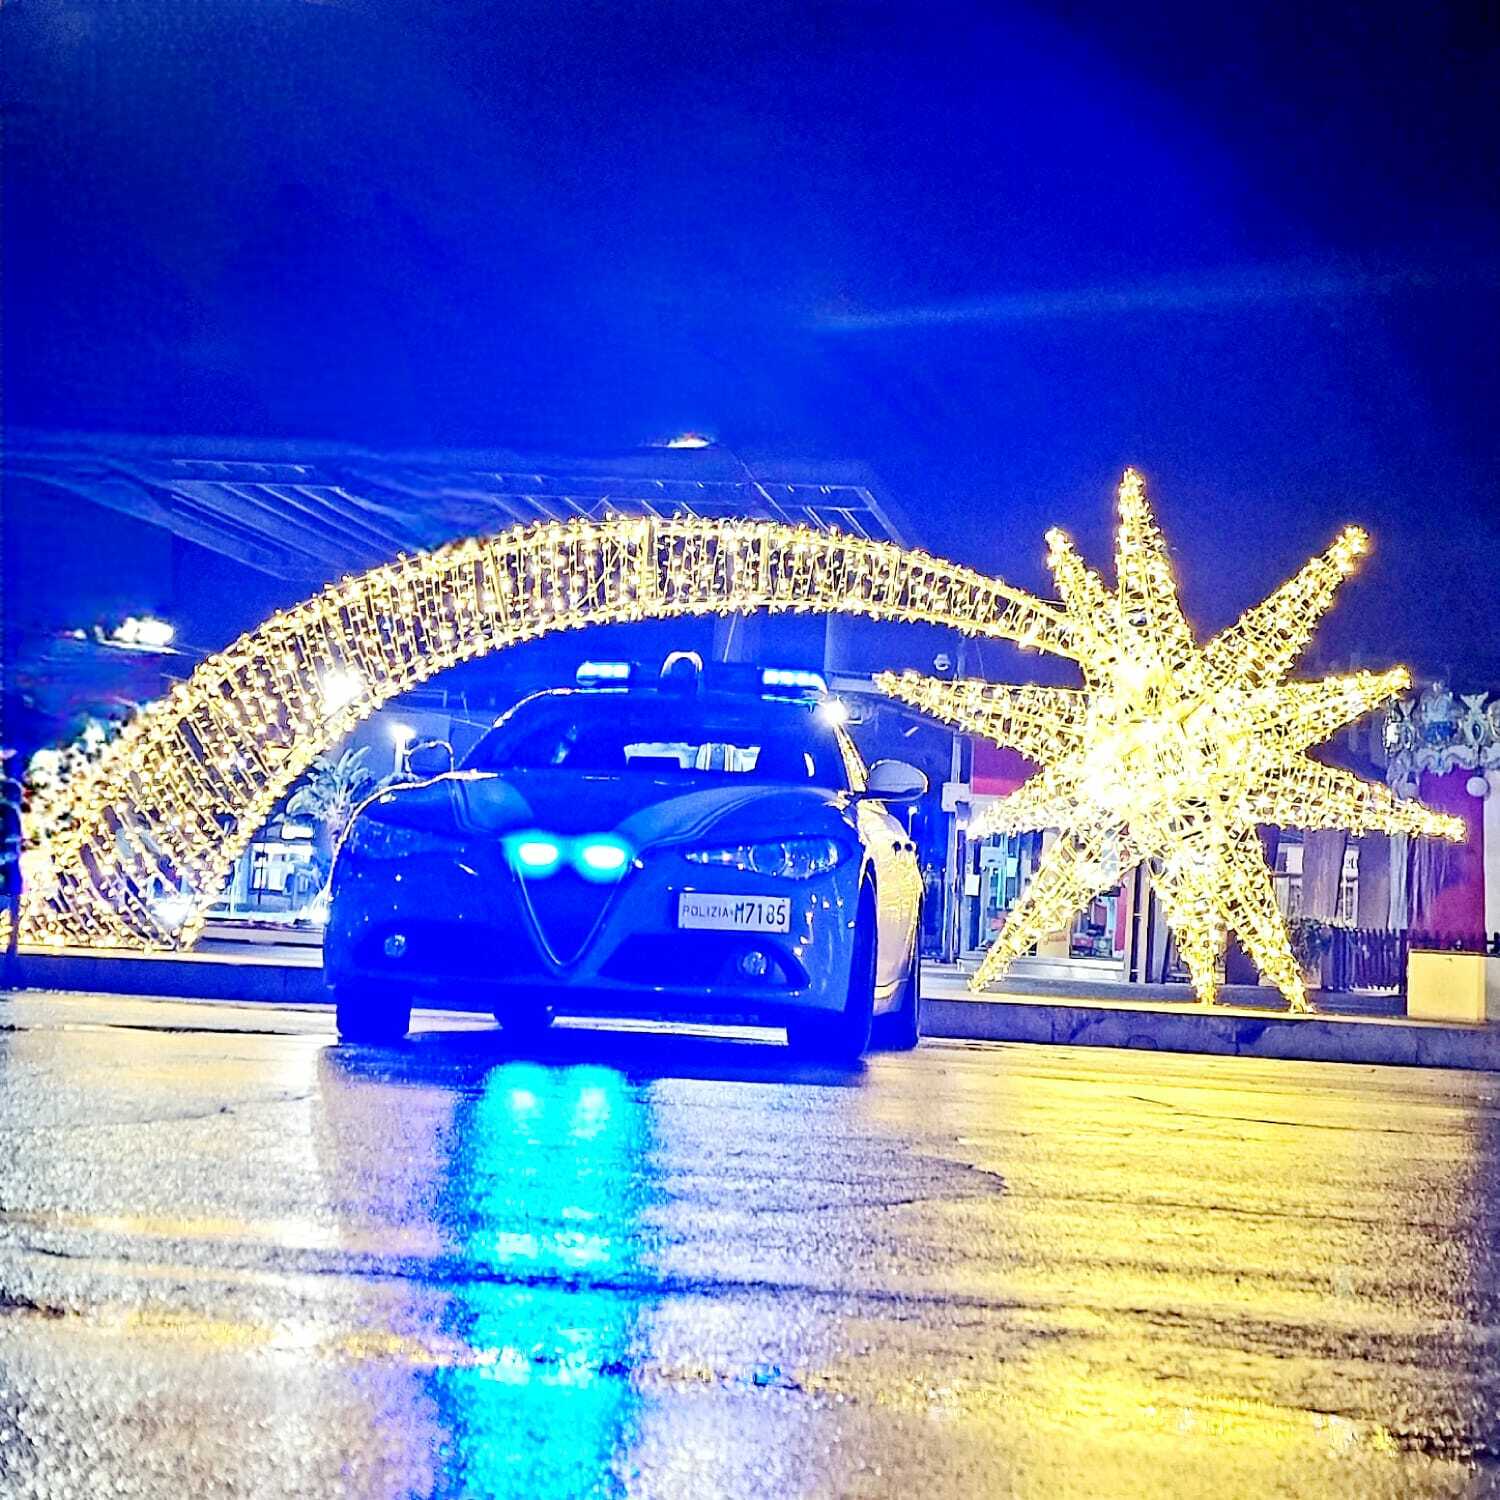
(1444, 747)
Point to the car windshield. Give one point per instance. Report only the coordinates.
(659, 735)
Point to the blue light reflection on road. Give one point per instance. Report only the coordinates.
(542, 1204)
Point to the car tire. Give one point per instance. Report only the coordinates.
(901, 1029)
(371, 1012)
(842, 1036)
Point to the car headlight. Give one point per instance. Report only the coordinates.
(377, 840)
(788, 859)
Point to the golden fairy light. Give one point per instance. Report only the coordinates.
(1173, 752)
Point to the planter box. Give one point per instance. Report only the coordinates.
(1462, 987)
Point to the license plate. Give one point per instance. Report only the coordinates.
(734, 913)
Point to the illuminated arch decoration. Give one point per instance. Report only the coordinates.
(1174, 753)
(174, 801)
(1171, 752)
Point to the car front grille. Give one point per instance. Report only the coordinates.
(565, 909)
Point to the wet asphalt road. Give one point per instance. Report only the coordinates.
(236, 1259)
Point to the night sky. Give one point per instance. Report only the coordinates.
(996, 253)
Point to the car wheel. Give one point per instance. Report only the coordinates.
(371, 1012)
(842, 1036)
(901, 1029)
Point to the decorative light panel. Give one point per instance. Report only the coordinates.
(169, 805)
(1174, 753)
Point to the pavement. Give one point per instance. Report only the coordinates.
(239, 1260)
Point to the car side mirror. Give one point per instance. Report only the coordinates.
(895, 781)
(429, 758)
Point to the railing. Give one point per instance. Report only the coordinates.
(1372, 958)
(1455, 942)
(1365, 958)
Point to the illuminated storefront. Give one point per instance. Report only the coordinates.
(1106, 940)
(995, 870)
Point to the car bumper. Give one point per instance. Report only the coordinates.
(454, 930)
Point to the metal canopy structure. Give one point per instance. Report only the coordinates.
(308, 512)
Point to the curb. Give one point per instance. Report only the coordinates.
(175, 978)
(1218, 1032)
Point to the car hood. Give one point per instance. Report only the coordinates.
(640, 809)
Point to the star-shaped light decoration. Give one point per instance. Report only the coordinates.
(1174, 753)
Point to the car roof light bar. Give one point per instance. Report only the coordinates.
(603, 671)
(797, 678)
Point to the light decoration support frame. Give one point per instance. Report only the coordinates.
(1170, 753)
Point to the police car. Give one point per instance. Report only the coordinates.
(689, 843)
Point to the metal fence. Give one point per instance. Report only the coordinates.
(1373, 958)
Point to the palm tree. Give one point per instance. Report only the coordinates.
(329, 794)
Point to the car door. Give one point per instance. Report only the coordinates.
(885, 836)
